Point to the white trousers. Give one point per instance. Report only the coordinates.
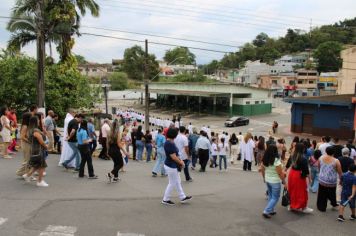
(235, 150)
(174, 183)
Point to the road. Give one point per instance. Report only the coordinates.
(223, 204)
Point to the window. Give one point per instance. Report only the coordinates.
(274, 81)
(291, 82)
(311, 81)
(262, 102)
(247, 103)
(94, 70)
(257, 102)
(300, 81)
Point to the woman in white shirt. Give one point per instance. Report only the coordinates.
(247, 148)
(223, 149)
(214, 153)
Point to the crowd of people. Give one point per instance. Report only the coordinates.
(305, 167)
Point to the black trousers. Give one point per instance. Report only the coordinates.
(247, 165)
(57, 142)
(203, 155)
(118, 164)
(104, 151)
(325, 194)
(186, 169)
(134, 148)
(86, 159)
(92, 146)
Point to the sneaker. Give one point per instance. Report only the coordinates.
(168, 203)
(32, 178)
(341, 218)
(42, 184)
(7, 157)
(190, 180)
(75, 170)
(307, 210)
(164, 175)
(154, 174)
(93, 177)
(352, 217)
(109, 177)
(186, 199)
(65, 166)
(115, 180)
(267, 216)
(26, 178)
(335, 208)
(273, 213)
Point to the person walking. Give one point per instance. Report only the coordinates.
(72, 141)
(214, 152)
(148, 145)
(193, 138)
(171, 165)
(105, 130)
(314, 169)
(247, 151)
(297, 179)
(37, 160)
(181, 141)
(25, 144)
(115, 146)
(235, 149)
(5, 132)
(330, 169)
(133, 142)
(273, 176)
(84, 149)
(92, 135)
(66, 150)
(139, 143)
(161, 155)
(223, 150)
(49, 127)
(261, 148)
(282, 149)
(57, 135)
(203, 147)
(348, 194)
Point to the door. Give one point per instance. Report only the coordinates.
(307, 123)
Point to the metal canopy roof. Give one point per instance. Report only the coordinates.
(188, 93)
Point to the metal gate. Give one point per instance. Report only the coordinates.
(307, 125)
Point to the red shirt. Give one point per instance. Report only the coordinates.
(13, 118)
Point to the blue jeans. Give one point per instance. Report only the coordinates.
(221, 157)
(148, 151)
(139, 146)
(274, 192)
(75, 154)
(315, 179)
(194, 158)
(161, 158)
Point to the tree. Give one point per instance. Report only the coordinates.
(211, 68)
(118, 81)
(328, 56)
(80, 59)
(260, 40)
(134, 63)
(179, 55)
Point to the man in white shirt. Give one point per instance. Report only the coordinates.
(105, 131)
(325, 144)
(203, 147)
(190, 128)
(182, 144)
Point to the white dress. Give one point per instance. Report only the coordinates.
(66, 150)
(5, 133)
(247, 150)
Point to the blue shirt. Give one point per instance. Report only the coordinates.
(348, 180)
(169, 149)
(91, 130)
(160, 140)
(82, 135)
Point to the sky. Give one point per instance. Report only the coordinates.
(228, 22)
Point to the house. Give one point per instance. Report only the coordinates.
(306, 82)
(170, 70)
(95, 69)
(279, 84)
(327, 83)
(326, 115)
(347, 76)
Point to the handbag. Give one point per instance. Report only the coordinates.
(35, 158)
(285, 198)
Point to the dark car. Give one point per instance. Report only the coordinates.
(237, 121)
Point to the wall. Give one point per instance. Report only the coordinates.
(328, 120)
(251, 110)
(347, 77)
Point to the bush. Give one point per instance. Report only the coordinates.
(118, 81)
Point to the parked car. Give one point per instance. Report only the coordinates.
(237, 121)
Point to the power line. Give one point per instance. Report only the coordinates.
(161, 36)
(157, 43)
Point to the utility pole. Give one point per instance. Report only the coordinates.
(147, 95)
(40, 54)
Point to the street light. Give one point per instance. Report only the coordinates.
(147, 96)
(105, 85)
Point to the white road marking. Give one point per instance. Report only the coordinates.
(129, 234)
(58, 230)
(3, 220)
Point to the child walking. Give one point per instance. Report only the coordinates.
(348, 194)
(214, 153)
(223, 149)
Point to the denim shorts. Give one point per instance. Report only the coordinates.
(345, 197)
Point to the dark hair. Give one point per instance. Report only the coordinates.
(84, 125)
(281, 141)
(298, 153)
(223, 141)
(352, 168)
(261, 143)
(159, 130)
(33, 124)
(79, 116)
(317, 154)
(3, 110)
(234, 138)
(39, 117)
(181, 129)
(336, 140)
(330, 150)
(172, 133)
(327, 139)
(314, 144)
(113, 133)
(295, 139)
(213, 139)
(139, 129)
(33, 107)
(270, 155)
(26, 118)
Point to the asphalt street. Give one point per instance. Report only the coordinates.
(224, 204)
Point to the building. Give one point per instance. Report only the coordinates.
(326, 115)
(292, 60)
(306, 82)
(95, 69)
(226, 98)
(280, 85)
(171, 70)
(347, 76)
(327, 84)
